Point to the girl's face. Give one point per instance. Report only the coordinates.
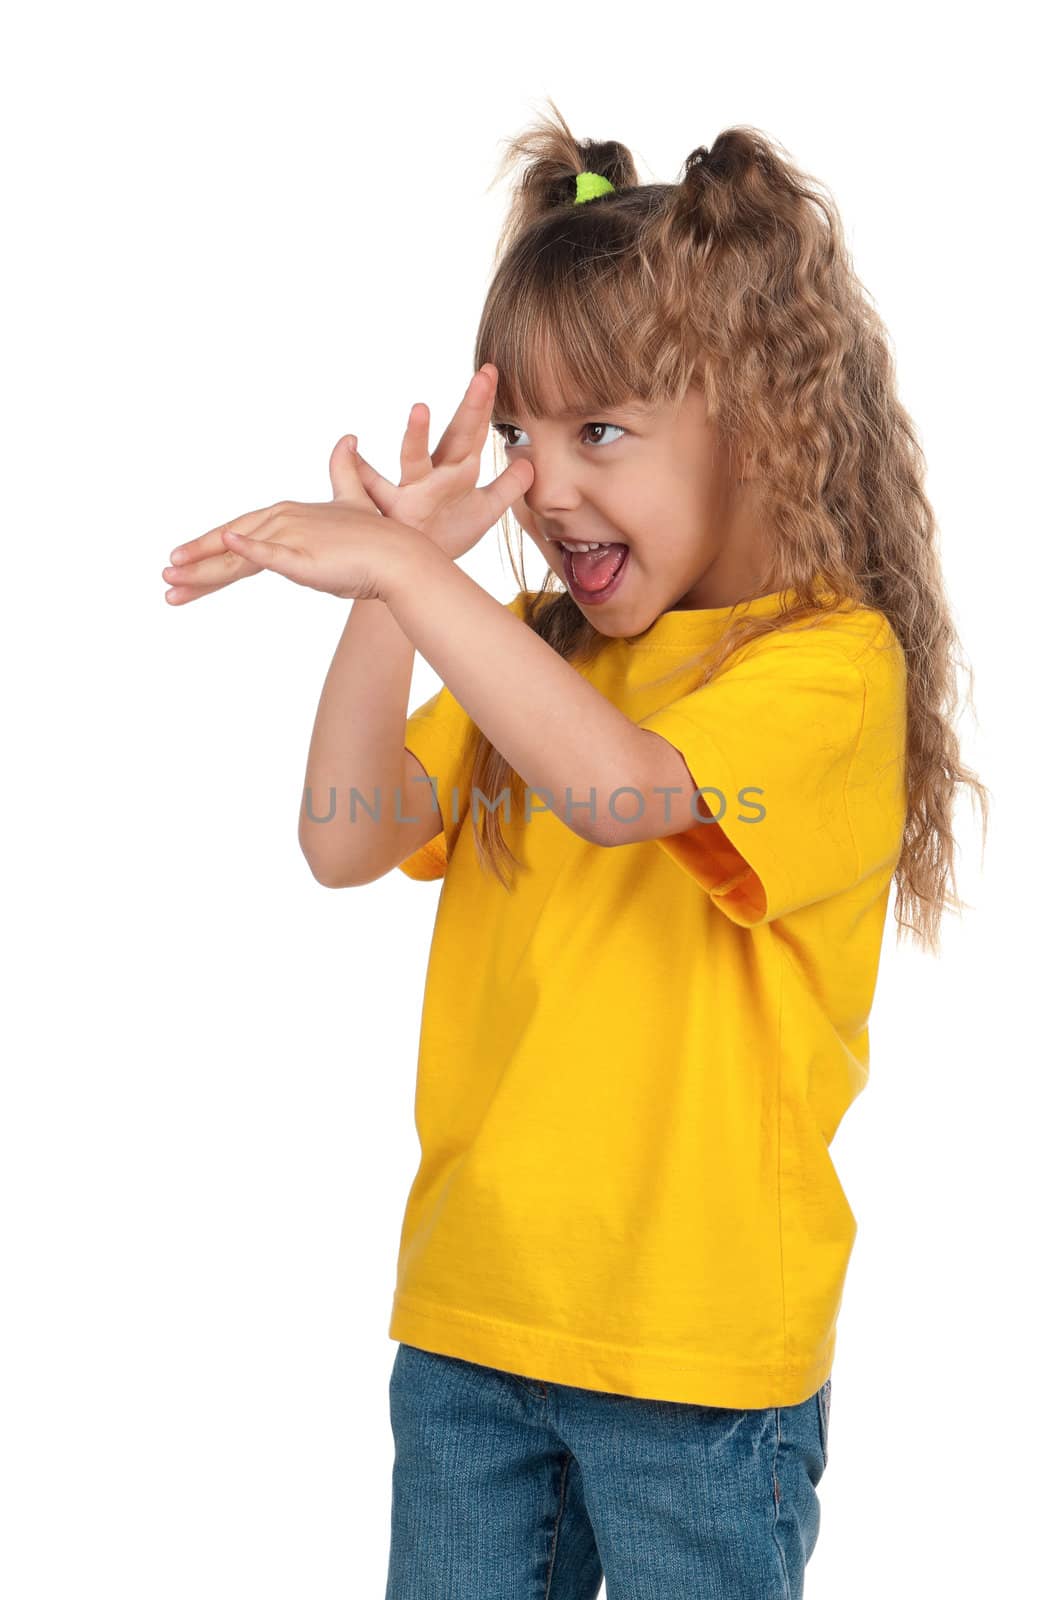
(657, 486)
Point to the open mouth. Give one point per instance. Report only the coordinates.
(595, 575)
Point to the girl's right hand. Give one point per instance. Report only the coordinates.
(437, 492)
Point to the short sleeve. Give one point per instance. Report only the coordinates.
(772, 741)
(442, 735)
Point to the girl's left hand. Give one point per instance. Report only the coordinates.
(342, 547)
(332, 546)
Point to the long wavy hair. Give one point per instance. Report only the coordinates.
(735, 280)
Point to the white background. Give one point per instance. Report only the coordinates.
(235, 233)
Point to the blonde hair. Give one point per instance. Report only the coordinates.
(736, 280)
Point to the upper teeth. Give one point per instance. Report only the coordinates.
(597, 545)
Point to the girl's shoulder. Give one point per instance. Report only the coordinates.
(862, 634)
(863, 644)
(875, 648)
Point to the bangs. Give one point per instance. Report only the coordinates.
(543, 373)
(563, 334)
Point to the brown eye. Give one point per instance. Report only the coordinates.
(505, 428)
(614, 425)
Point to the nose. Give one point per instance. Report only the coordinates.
(555, 488)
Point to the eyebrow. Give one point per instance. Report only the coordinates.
(573, 413)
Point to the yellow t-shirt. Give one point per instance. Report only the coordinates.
(631, 1065)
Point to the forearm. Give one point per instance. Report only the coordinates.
(565, 739)
(357, 742)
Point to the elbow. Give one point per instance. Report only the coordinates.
(610, 831)
(632, 811)
(325, 873)
(332, 873)
(604, 825)
(329, 880)
(341, 879)
(627, 825)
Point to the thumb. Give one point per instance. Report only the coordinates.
(343, 474)
(510, 485)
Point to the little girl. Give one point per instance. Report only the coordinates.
(668, 793)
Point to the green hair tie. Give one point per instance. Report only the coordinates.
(589, 185)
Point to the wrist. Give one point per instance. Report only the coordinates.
(408, 552)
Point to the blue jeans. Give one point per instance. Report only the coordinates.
(508, 1488)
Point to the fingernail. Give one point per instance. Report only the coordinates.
(352, 443)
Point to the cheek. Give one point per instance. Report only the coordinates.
(524, 520)
(640, 501)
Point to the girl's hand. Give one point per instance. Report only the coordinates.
(437, 493)
(342, 547)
